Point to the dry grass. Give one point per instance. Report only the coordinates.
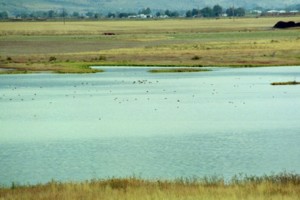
(140, 26)
(277, 187)
(175, 42)
(56, 67)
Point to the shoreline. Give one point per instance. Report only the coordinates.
(90, 68)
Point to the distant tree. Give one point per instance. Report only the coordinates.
(207, 12)
(90, 14)
(4, 15)
(52, 14)
(230, 12)
(97, 15)
(34, 15)
(195, 12)
(23, 15)
(64, 13)
(235, 12)
(240, 12)
(148, 11)
(189, 13)
(158, 14)
(174, 14)
(123, 15)
(76, 15)
(145, 11)
(38, 14)
(168, 13)
(111, 15)
(217, 10)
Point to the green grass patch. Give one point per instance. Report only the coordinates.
(79, 68)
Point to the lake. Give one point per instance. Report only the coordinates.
(129, 122)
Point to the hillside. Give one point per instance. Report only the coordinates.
(14, 6)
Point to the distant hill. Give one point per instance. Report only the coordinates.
(15, 6)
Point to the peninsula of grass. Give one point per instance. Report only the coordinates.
(53, 67)
(285, 186)
(177, 70)
(286, 83)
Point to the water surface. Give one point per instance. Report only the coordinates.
(127, 122)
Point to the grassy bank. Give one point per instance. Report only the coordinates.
(286, 83)
(55, 67)
(177, 70)
(53, 46)
(283, 186)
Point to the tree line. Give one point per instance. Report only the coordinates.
(215, 11)
(52, 14)
(146, 13)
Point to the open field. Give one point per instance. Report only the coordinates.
(70, 48)
(283, 186)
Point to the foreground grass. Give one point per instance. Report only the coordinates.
(281, 186)
(286, 83)
(53, 46)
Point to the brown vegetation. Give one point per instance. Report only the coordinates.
(284, 186)
(286, 83)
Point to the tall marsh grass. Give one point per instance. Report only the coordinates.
(279, 186)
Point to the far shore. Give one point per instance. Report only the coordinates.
(75, 46)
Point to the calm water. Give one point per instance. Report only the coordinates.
(127, 122)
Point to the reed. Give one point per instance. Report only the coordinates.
(284, 186)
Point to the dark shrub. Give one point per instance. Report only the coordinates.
(196, 58)
(52, 59)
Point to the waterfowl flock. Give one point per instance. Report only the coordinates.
(141, 91)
